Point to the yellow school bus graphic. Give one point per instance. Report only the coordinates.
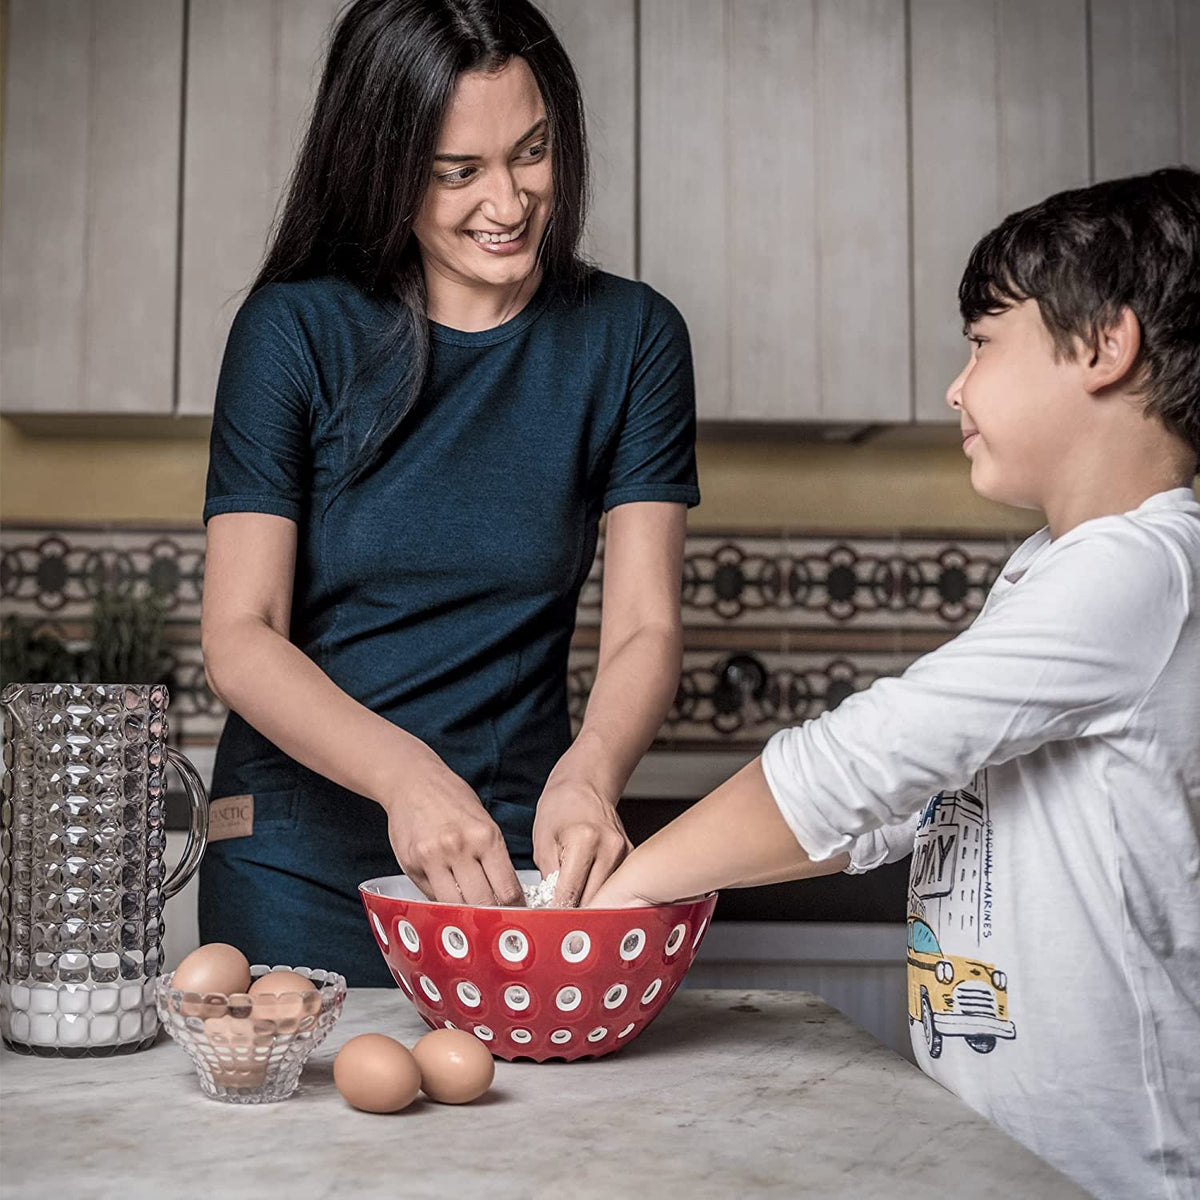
(954, 996)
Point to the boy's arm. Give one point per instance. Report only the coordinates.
(734, 837)
(1070, 651)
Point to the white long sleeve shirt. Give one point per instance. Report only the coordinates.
(1054, 896)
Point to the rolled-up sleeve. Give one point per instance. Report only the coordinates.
(1069, 651)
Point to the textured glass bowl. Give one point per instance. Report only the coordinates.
(249, 1050)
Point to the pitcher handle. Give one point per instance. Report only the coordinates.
(197, 839)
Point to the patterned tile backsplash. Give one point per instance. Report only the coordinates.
(778, 626)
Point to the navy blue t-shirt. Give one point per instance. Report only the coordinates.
(440, 590)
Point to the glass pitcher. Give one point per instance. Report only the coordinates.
(82, 882)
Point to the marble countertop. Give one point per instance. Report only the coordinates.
(757, 1094)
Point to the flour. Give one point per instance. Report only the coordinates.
(541, 894)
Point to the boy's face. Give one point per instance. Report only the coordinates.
(1021, 409)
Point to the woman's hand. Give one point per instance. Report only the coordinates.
(448, 845)
(578, 834)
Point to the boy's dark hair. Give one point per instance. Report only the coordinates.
(1085, 254)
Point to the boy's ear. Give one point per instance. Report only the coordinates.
(1113, 358)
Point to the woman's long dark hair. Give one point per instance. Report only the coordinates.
(367, 160)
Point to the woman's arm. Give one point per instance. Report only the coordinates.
(441, 834)
(734, 837)
(577, 831)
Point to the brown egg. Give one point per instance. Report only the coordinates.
(284, 996)
(239, 1048)
(217, 967)
(456, 1067)
(376, 1073)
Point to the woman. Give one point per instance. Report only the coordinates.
(426, 403)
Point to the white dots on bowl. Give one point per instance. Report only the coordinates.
(455, 942)
(675, 939)
(615, 996)
(560, 1037)
(468, 993)
(568, 999)
(514, 945)
(576, 946)
(651, 991)
(516, 997)
(383, 937)
(632, 944)
(521, 1036)
(430, 988)
(408, 935)
(699, 933)
(626, 1031)
(483, 1033)
(598, 1034)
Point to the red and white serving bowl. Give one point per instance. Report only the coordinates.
(535, 983)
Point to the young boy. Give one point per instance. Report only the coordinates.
(1054, 899)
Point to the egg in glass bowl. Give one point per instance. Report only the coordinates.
(250, 1049)
(535, 983)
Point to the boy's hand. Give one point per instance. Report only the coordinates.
(624, 889)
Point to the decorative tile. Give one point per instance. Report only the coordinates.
(58, 572)
(708, 713)
(817, 615)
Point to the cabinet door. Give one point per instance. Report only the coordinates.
(774, 201)
(90, 206)
(601, 38)
(253, 68)
(1141, 50)
(683, 210)
(999, 121)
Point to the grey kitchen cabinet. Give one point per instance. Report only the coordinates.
(90, 207)
(253, 68)
(803, 178)
(774, 201)
(1145, 74)
(1015, 99)
(601, 38)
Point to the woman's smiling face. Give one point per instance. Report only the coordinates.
(492, 180)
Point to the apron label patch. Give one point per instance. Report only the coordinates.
(230, 817)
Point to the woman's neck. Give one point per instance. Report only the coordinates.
(472, 308)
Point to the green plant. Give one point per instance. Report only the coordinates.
(30, 652)
(127, 638)
(127, 644)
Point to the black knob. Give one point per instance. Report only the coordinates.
(740, 679)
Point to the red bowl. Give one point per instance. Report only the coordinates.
(535, 983)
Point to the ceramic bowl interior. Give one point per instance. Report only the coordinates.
(251, 1050)
(535, 983)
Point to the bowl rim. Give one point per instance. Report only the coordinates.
(365, 889)
(334, 981)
